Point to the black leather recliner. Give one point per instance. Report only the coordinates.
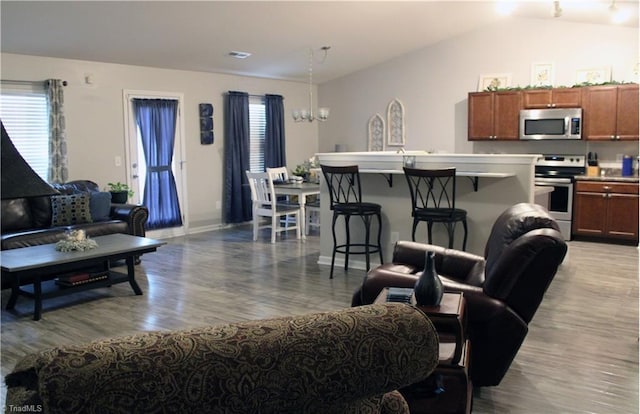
(503, 289)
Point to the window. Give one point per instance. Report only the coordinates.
(25, 115)
(257, 122)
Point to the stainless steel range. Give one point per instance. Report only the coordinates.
(559, 172)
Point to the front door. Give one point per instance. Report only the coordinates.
(155, 159)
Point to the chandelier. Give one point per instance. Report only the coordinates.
(306, 114)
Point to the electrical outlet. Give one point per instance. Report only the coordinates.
(619, 157)
(218, 205)
(395, 236)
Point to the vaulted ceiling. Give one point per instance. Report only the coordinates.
(198, 35)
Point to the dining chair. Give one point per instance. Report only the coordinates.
(433, 200)
(265, 204)
(312, 213)
(313, 207)
(279, 174)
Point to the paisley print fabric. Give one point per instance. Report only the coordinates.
(332, 362)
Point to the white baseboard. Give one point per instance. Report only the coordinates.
(172, 232)
(353, 264)
(213, 227)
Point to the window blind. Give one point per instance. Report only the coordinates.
(25, 116)
(257, 126)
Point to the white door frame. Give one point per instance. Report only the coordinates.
(179, 155)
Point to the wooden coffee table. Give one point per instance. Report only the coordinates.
(42, 263)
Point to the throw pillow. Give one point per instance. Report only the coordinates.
(70, 209)
(100, 205)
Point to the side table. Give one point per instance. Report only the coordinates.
(448, 390)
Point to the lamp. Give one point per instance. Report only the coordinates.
(306, 114)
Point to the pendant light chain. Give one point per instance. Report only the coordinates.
(300, 115)
(310, 84)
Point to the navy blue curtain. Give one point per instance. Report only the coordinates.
(156, 119)
(237, 195)
(274, 144)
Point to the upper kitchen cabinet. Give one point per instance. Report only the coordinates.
(552, 98)
(494, 115)
(610, 113)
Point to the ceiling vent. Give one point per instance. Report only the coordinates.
(239, 55)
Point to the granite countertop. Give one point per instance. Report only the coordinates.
(616, 178)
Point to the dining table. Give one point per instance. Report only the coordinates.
(302, 190)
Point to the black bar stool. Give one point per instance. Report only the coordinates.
(433, 199)
(345, 196)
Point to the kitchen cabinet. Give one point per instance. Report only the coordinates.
(610, 113)
(552, 98)
(494, 115)
(606, 209)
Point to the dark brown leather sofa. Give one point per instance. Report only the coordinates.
(27, 221)
(503, 289)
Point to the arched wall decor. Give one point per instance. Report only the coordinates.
(376, 133)
(395, 123)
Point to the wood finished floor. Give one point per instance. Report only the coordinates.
(580, 356)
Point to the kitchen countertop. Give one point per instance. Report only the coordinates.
(616, 178)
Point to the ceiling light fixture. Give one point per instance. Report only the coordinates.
(556, 11)
(306, 114)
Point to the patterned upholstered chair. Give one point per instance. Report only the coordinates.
(346, 361)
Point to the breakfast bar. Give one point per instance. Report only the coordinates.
(486, 185)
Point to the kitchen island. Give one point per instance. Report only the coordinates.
(486, 185)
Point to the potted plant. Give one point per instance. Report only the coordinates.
(300, 171)
(120, 192)
(303, 170)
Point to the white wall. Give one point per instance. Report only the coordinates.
(433, 84)
(95, 120)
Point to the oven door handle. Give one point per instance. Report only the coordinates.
(544, 181)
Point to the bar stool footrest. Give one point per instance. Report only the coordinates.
(342, 248)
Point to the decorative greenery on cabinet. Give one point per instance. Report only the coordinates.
(577, 85)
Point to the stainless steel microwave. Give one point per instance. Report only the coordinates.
(557, 123)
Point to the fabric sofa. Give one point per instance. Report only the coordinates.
(346, 361)
(30, 221)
